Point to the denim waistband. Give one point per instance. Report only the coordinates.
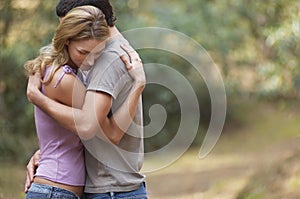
(140, 193)
(47, 189)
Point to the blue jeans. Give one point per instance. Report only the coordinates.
(140, 193)
(40, 191)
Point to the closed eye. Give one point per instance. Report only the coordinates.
(83, 52)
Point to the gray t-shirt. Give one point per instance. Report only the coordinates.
(114, 168)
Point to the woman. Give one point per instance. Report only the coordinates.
(78, 41)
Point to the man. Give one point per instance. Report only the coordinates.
(113, 161)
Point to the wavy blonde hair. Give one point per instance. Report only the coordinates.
(84, 22)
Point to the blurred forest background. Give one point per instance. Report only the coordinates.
(255, 44)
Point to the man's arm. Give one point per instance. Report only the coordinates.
(85, 121)
(31, 168)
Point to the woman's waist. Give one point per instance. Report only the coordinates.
(67, 172)
(78, 190)
(64, 172)
(54, 154)
(62, 165)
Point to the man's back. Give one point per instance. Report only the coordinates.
(114, 168)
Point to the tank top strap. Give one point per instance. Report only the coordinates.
(66, 70)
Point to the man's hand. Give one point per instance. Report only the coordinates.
(33, 86)
(31, 169)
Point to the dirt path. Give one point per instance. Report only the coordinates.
(242, 152)
(221, 175)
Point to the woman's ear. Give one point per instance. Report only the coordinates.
(67, 42)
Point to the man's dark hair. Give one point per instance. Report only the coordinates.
(64, 6)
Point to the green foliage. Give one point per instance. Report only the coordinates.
(259, 35)
(254, 43)
(16, 118)
(17, 130)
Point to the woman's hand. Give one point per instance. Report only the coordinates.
(134, 66)
(33, 86)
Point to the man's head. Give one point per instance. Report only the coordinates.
(64, 6)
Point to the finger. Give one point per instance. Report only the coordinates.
(138, 59)
(127, 48)
(27, 183)
(37, 74)
(30, 176)
(126, 62)
(36, 159)
(26, 187)
(133, 55)
(30, 170)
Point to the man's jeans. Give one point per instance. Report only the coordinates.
(45, 191)
(140, 193)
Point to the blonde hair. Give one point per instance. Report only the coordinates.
(84, 22)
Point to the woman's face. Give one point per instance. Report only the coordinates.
(84, 52)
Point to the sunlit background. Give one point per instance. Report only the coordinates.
(255, 46)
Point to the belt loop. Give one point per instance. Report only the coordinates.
(112, 195)
(50, 191)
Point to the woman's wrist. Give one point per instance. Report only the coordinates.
(32, 94)
(138, 86)
(139, 83)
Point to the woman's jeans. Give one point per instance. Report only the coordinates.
(40, 191)
(140, 193)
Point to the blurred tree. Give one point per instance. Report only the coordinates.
(259, 35)
(254, 43)
(21, 36)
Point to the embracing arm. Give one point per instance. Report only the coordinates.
(118, 124)
(123, 117)
(115, 126)
(85, 121)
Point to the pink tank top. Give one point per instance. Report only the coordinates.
(62, 154)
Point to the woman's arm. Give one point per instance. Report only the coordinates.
(114, 127)
(85, 121)
(123, 117)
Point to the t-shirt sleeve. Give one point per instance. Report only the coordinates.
(108, 75)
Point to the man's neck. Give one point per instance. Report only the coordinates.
(113, 31)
